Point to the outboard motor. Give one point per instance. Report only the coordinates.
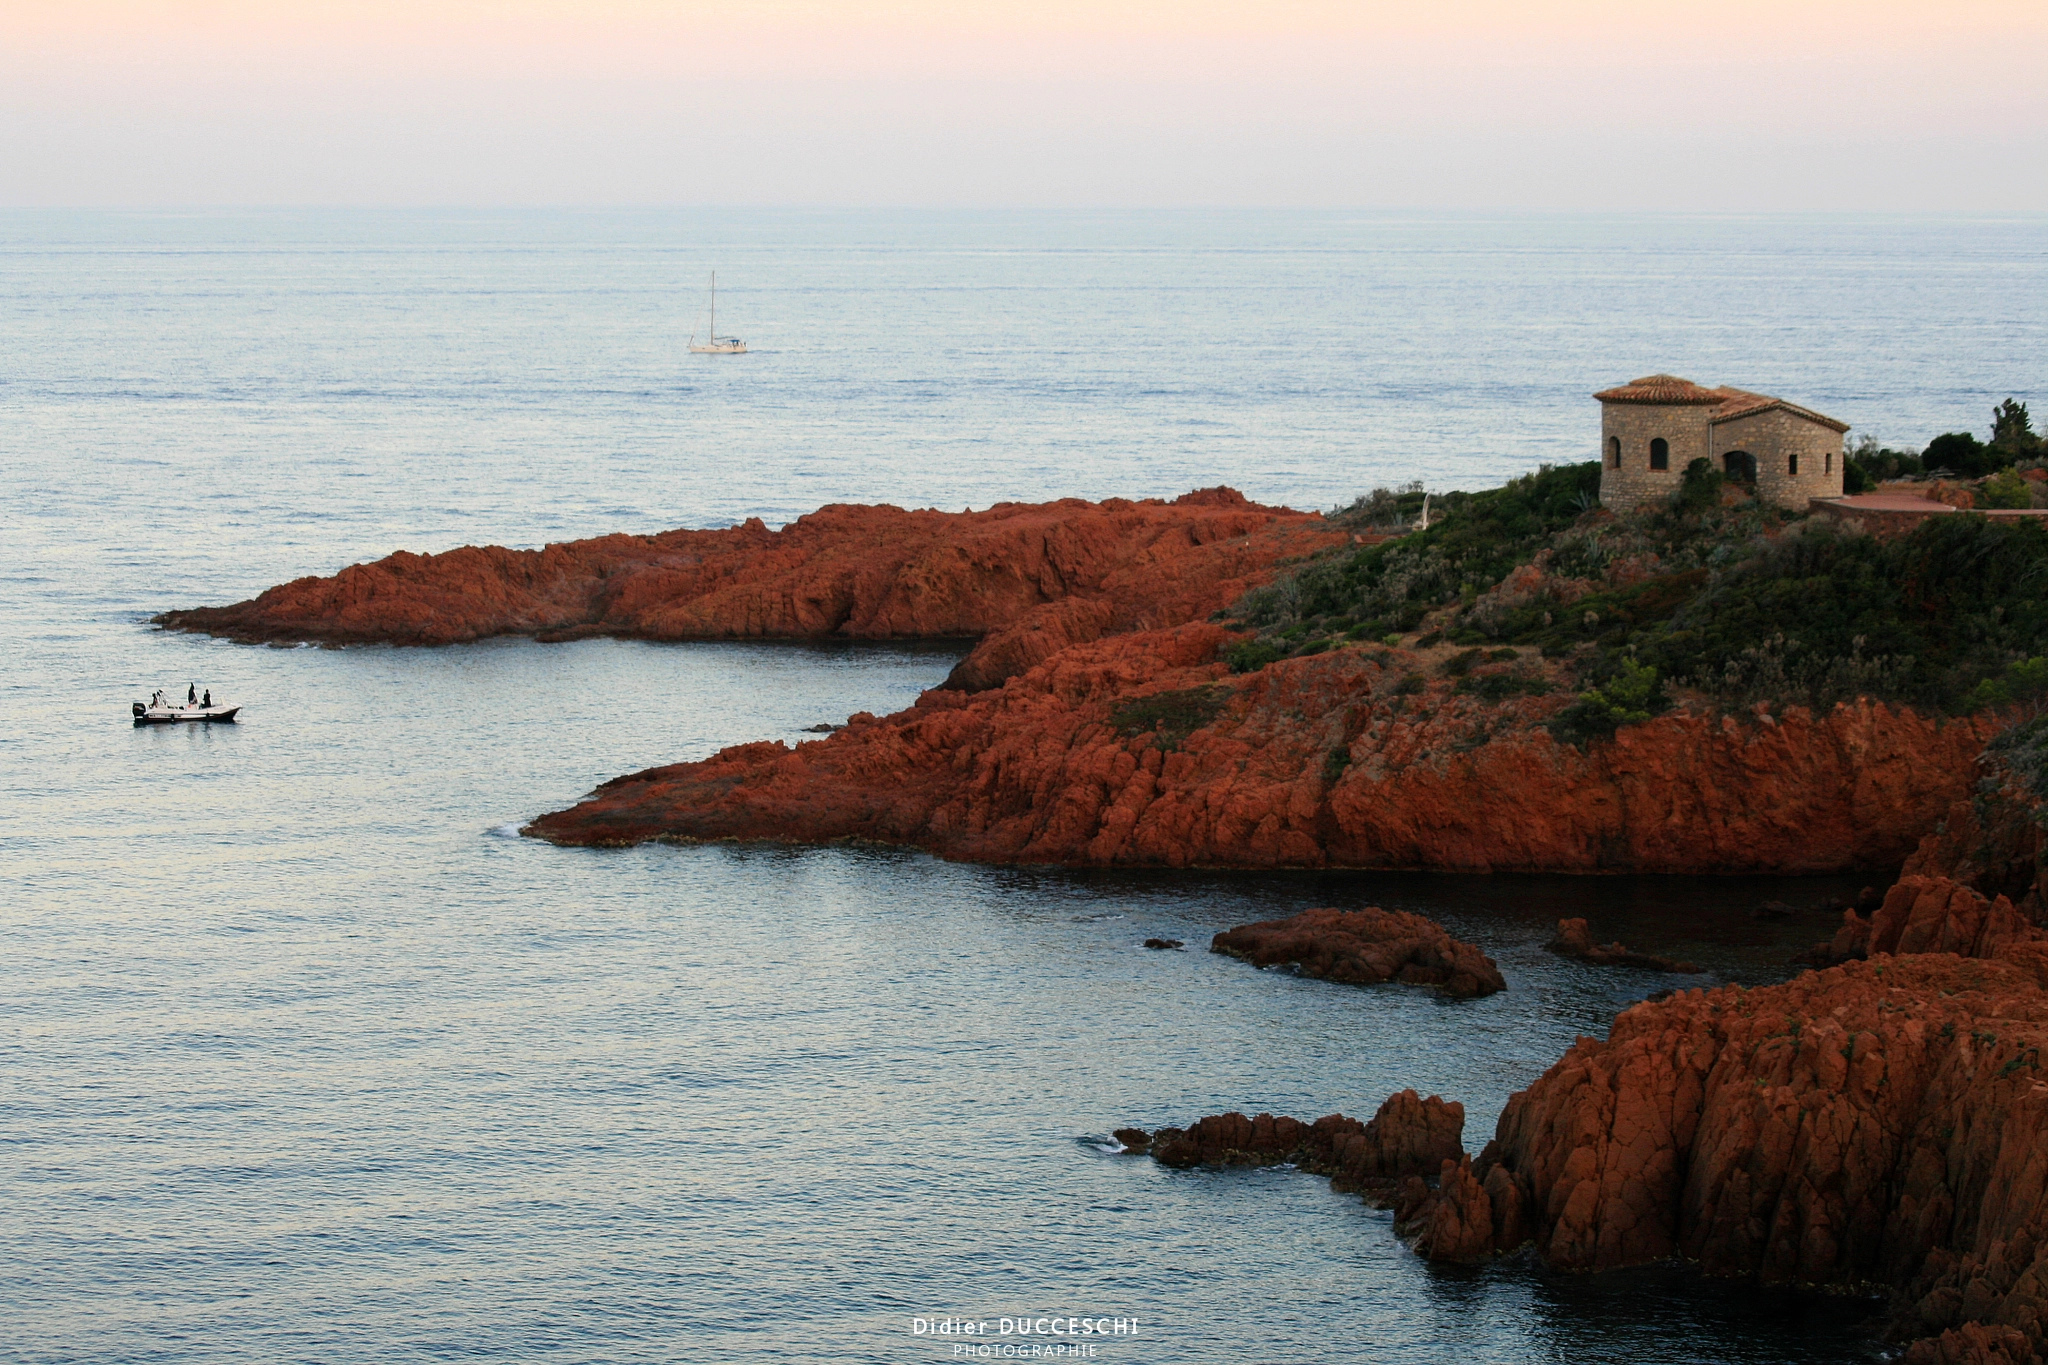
(139, 709)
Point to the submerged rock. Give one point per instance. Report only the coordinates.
(1364, 947)
(1574, 939)
(1166, 943)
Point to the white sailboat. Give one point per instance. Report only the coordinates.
(715, 344)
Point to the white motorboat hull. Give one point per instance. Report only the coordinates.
(175, 715)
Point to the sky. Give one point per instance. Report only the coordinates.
(1740, 105)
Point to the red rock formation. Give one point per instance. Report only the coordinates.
(1409, 1136)
(1574, 939)
(1034, 577)
(1935, 915)
(1994, 840)
(1046, 769)
(1879, 1122)
(1365, 947)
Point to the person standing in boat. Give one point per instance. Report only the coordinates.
(191, 694)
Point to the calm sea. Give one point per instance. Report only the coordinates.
(305, 1057)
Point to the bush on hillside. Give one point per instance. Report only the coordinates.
(1868, 464)
(1699, 488)
(1473, 541)
(1961, 454)
(2012, 432)
(2005, 489)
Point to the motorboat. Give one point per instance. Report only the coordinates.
(158, 710)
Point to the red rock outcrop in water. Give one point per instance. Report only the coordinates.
(1141, 750)
(1575, 939)
(1032, 577)
(1881, 1122)
(1409, 1136)
(1364, 947)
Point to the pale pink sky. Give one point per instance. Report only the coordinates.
(1472, 103)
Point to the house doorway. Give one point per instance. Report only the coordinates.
(1740, 466)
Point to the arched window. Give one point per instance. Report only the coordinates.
(1660, 454)
(1614, 451)
(1792, 464)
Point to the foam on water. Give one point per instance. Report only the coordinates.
(294, 1065)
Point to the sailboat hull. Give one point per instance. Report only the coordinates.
(720, 348)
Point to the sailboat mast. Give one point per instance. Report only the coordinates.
(714, 308)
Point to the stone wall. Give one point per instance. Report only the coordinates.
(1635, 486)
(1774, 438)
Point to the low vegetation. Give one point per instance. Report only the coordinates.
(1715, 594)
(1169, 717)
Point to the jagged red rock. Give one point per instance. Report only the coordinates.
(1408, 1136)
(1029, 578)
(1039, 770)
(1574, 939)
(1882, 1121)
(1364, 947)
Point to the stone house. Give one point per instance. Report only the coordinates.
(1652, 428)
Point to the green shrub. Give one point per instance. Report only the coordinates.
(1249, 656)
(1870, 464)
(2022, 681)
(1626, 698)
(1961, 454)
(1170, 717)
(1391, 639)
(2005, 489)
(1473, 540)
(2012, 432)
(1699, 488)
(1504, 655)
(1825, 616)
(1501, 686)
(2025, 750)
(1458, 665)
(1409, 685)
(1335, 762)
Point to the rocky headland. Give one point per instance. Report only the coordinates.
(1145, 750)
(1024, 579)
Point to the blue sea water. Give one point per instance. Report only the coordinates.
(305, 1056)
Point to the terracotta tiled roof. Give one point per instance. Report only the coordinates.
(1662, 389)
(1741, 403)
(1668, 390)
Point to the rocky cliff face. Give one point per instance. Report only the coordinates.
(1882, 1122)
(1141, 750)
(1035, 577)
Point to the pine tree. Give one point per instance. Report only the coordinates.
(2012, 432)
